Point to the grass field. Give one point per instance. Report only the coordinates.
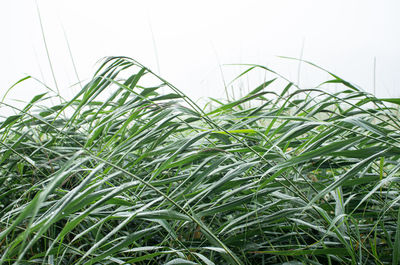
(124, 174)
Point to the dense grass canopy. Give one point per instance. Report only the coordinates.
(125, 174)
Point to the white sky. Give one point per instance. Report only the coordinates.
(188, 41)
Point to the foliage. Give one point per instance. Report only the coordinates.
(136, 176)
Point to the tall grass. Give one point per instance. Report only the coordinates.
(122, 174)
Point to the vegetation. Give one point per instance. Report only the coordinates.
(125, 174)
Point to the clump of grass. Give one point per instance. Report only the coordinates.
(140, 177)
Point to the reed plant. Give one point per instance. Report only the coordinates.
(125, 174)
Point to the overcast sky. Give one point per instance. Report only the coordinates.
(188, 41)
